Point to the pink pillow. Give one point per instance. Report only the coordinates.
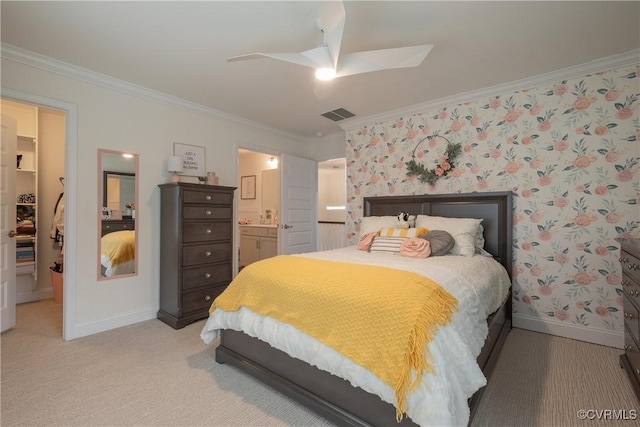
(415, 248)
(366, 240)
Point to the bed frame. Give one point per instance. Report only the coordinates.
(336, 399)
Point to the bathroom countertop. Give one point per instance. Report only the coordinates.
(260, 225)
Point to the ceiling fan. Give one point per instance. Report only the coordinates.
(328, 62)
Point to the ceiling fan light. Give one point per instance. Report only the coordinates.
(325, 74)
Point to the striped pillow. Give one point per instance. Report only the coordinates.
(386, 244)
(402, 232)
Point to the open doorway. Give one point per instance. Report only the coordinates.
(39, 188)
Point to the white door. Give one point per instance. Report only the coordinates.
(8, 142)
(298, 205)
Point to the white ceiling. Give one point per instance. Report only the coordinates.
(180, 49)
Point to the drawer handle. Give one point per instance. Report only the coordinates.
(207, 253)
(207, 298)
(208, 212)
(208, 197)
(627, 348)
(624, 283)
(107, 226)
(628, 316)
(207, 275)
(208, 231)
(623, 259)
(634, 266)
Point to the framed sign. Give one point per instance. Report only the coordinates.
(248, 187)
(193, 159)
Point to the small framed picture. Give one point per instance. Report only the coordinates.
(193, 159)
(248, 187)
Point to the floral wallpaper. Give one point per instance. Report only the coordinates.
(568, 151)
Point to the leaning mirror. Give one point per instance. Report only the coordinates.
(117, 205)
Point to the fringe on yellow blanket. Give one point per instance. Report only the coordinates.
(379, 317)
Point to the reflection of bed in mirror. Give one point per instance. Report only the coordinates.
(118, 247)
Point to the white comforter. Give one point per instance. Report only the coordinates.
(479, 283)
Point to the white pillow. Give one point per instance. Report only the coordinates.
(463, 230)
(375, 223)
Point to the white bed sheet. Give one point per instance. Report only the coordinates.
(479, 283)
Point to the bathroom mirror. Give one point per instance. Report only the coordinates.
(117, 219)
(271, 191)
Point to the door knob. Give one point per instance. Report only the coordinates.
(287, 226)
(12, 233)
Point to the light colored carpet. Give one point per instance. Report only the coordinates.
(149, 374)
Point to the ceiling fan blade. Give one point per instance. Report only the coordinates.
(314, 58)
(331, 21)
(383, 59)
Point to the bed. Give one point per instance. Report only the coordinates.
(336, 398)
(118, 249)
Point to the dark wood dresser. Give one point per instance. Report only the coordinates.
(196, 249)
(111, 225)
(630, 261)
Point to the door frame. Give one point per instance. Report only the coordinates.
(70, 198)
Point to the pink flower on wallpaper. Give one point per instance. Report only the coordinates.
(364, 131)
(583, 278)
(602, 311)
(544, 125)
(467, 148)
(561, 258)
(495, 153)
(526, 246)
(357, 191)
(456, 126)
(373, 179)
(443, 115)
(582, 103)
(374, 141)
(601, 190)
(560, 90)
(391, 149)
(580, 305)
(580, 246)
(613, 279)
(482, 185)
(545, 235)
(526, 299)
(545, 290)
(534, 163)
(560, 202)
(561, 315)
(579, 130)
(475, 169)
(457, 172)
(624, 175)
(475, 121)
(611, 156)
(399, 124)
(582, 162)
(612, 217)
(381, 159)
(583, 220)
(439, 171)
(445, 166)
(512, 116)
(526, 140)
(412, 134)
(534, 110)
(494, 103)
(482, 136)
(560, 145)
(420, 154)
(536, 271)
(611, 95)
(580, 188)
(526, 193)
(602, 250)
(544, 180)
(512, 168)
(601, 130)
(624, 113)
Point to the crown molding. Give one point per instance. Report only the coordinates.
(32, 59)
(615, 61)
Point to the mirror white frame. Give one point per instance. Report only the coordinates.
(117, 222)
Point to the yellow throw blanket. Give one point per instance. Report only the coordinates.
(379, 317)
(119, 246)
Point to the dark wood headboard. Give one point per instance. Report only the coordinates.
(494, 208)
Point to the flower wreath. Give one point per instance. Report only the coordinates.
(444, 164)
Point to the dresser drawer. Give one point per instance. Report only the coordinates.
(205, 231)
(631, 318)
(207, 275)
(631, 287)
(206, 253)
(111, 226)
(207, 197)
(206, 212)
(259, 231)
(200, 300)
(630, 265)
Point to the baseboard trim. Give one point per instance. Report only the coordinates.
(23, 297)
(85, 329)
(608, 338)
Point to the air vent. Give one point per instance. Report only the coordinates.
(338, 114)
